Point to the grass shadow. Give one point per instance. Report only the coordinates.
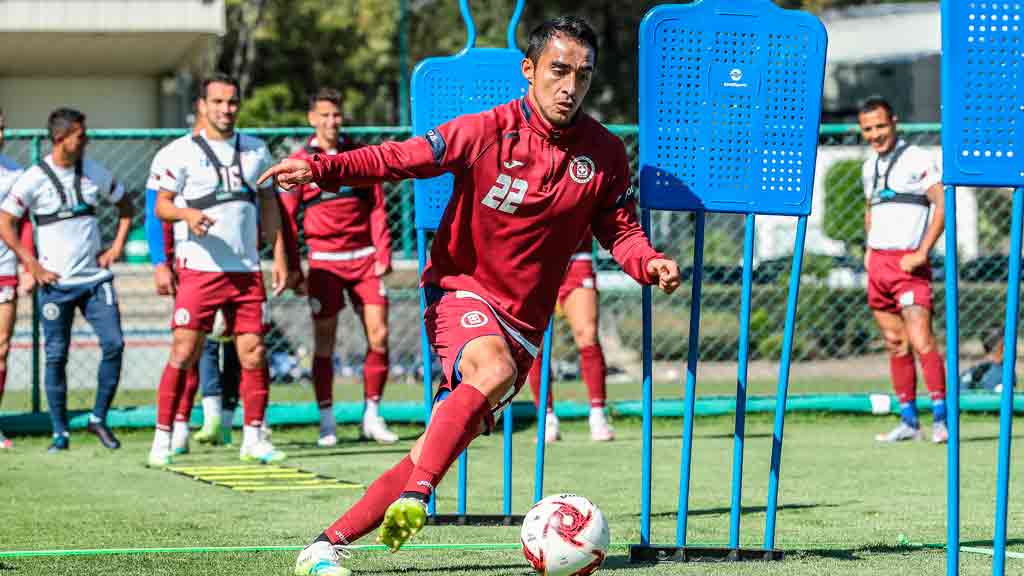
(523, 568)
(988, 438)
(744, 510)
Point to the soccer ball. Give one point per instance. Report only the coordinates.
(565, 535)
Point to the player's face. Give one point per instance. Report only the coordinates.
(560, 79)
(73, 143)
(325, 117)
(220, 107)
(878, 129)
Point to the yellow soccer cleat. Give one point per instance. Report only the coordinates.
(403, 519)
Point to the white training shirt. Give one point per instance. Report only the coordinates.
(67, 247)
(896, 225)
(9, 172)
(231, 244)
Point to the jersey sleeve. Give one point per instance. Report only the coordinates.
(924, 167)
(264, 161)
(616, 228)
(167, 171)
(865, 180)
(22, 197)
(451, 147)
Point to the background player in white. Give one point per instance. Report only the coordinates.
(9, 172)
(62, 192)
(214, 174)
(903, 186)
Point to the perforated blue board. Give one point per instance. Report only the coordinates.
(472, 81)
(983, 93)
(730, 101)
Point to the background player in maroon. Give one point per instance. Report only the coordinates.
(349, 251)
(531, 176)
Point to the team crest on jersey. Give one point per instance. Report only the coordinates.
(473, 319)
(581, 169)
(51, 311)
(182, 316)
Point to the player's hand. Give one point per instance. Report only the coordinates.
(166, 283)
(912, 261)
(289, 173)
(381, 269)
(108, 257)
(42, 276)
(279, 277)
(26, 283)
(198, 222)
(297, 282)
(667, 273)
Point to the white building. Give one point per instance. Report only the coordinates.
(124, 63)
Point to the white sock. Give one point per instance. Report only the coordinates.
(94, 419)
(328, 425)
(371, 410)
(212, 409)
(251, 435)
(227, 419)
(162, 441)
(597, 413)
(552, 419)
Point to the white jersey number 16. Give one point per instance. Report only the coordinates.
(506, 194)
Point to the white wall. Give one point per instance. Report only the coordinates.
(108, 102)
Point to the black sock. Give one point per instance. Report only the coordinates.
(322, 538)
(416, 495)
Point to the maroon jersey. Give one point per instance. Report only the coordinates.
(340, 222)
(586, 245)
(525, 195)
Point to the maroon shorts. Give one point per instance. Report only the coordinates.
(452, 322)
(239, 295)
(579, 275)
(890, 289)
(329, 282)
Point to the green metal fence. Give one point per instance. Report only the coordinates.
(835, 335)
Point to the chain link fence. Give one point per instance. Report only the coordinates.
(835, 338)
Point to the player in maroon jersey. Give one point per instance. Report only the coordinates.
(531, 176)
(346, 230)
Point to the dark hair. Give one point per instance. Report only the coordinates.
(325, 94)
(571, 26)
(874, 103)
(991, 339)
(217, 78)
(61, 121)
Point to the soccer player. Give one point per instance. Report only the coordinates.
(62, 192)
(578, 298)
(219, 387)
(210, 186)
(531, 177)
(9, 280)
(346, 230)
(903, 185)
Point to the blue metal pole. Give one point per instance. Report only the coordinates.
(513, 22)
(952, 388)
(647, 387)
(1009, 380)
(467, 17)
(428, 369)
(783, 390)
(692, 355)
(507, 441)
(542, 407)
(735, 510)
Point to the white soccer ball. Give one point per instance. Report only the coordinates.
(565, 535)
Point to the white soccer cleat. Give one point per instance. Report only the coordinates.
(321, 559)
(901, 433)
(327, 441)
(179, 438)
(600, 429)
(5, 443)
(159, 458)
(376, 429)
(551, 432)
(262, 452)
(940, 434)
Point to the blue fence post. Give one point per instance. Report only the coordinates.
(739, 435)
(952, 388)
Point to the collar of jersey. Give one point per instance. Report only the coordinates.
(538, 124)
(313, 143)
(899, 142)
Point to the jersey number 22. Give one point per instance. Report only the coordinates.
(506, 194)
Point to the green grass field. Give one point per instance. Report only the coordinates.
(844, 501)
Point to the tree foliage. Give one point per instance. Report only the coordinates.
(300, 45)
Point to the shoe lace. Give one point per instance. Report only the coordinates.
(342, 551)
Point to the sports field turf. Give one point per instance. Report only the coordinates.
(844, 501)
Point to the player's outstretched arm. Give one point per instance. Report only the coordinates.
(288, 173)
